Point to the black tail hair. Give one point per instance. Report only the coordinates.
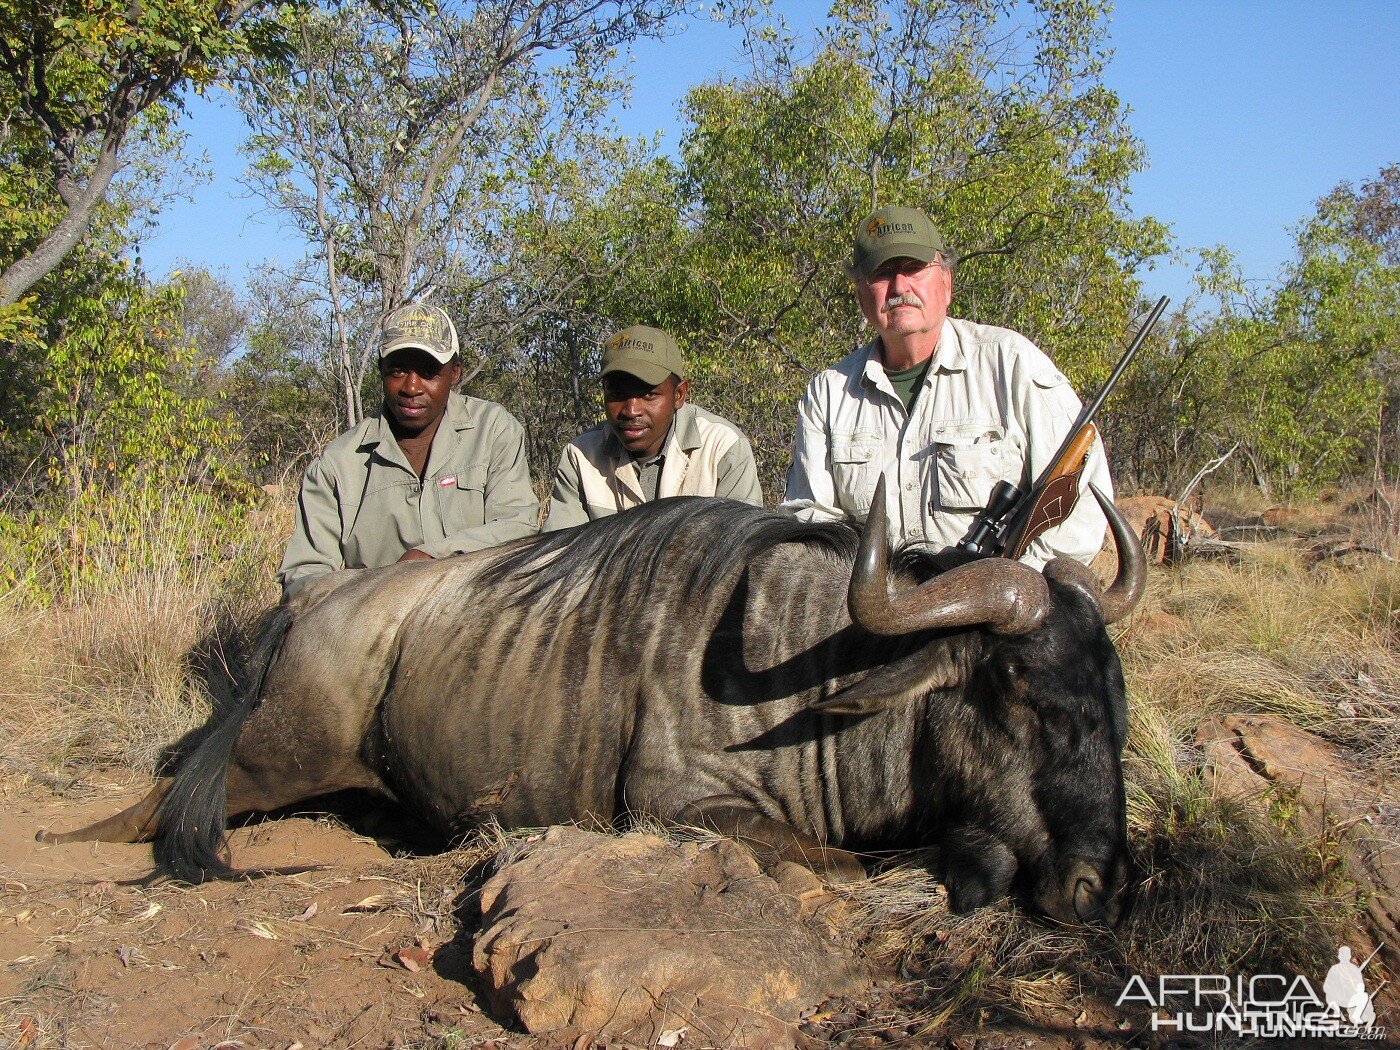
(191, 830)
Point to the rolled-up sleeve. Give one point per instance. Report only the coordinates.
(314, 547)
(811, 490)
(511, 510)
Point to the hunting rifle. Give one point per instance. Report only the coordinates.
(1013, 519)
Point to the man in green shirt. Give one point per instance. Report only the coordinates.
(435, 473)
(654, 444)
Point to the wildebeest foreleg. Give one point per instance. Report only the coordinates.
(134, 824)
(770, 840)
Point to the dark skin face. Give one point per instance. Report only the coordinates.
(640, 414)
(416, 389)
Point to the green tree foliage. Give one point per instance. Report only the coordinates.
(276, 393)
(991, 116)
(1300, 380)
(104, 400)
(387, 139)
(106, 422)
(77, 80)
(212, 321)
(586, 210)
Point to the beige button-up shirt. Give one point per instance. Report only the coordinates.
(362, 506)
(993, 406)
(705, 455)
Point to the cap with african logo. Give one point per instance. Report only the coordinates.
(647, 353)
(422, 327)
(895, 233)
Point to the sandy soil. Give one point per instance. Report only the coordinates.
(94, 956)
(345, 945)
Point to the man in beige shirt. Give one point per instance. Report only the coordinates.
(944, 408)
(435, 473)
(654, 444)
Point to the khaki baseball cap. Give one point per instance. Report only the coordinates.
(647, 353)
(423, 327)
(895, 233)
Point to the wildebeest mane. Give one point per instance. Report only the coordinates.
(705, 539)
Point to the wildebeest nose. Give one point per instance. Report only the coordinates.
(1093, 901)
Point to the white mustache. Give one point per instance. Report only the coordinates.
(905, 299)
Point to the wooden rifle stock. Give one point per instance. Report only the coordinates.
(1053, 497)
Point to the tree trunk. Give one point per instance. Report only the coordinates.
(28, 270)
(1261, 477)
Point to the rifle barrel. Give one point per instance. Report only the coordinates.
(1127, 357)
(1368, 959)
(1088, 411)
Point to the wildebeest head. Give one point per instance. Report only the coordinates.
(1030, 772)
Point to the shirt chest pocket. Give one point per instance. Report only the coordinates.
(462, 505)
(855, 466)
(969, 459)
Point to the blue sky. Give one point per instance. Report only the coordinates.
(1249, 111)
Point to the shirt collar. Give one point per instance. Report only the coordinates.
(948, 356)
(379, 435)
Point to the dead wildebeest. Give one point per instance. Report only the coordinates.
(695, 660)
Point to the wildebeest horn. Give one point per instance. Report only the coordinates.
(1123, 593)
(1006, 596)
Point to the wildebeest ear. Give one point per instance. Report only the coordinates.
(903, 680)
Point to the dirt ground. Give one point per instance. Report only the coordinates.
(337, 943)
(356, 950)
(343, 945)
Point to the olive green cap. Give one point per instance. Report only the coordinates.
(895, 233)
(647, 353)
(421, 327)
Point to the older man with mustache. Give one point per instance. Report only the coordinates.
(945, 408)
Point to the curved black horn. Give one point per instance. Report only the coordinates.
(1123, 594)
(1126, 589)
(1005, 595)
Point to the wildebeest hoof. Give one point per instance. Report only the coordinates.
(836, 867)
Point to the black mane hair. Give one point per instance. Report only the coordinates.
(717, 536)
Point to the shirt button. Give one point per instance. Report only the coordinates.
(908, 486)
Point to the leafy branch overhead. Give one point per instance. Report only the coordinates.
(77, 76)
(392, 138)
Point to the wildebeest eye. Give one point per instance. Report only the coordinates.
(1014, 671)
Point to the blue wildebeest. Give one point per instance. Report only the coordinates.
(706, 662)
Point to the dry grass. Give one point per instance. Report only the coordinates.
(107, 665)
(1319, 645)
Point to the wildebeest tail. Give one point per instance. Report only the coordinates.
(191, 833)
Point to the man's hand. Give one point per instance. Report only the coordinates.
(416, 555)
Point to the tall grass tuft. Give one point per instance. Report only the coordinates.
(120, 610)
